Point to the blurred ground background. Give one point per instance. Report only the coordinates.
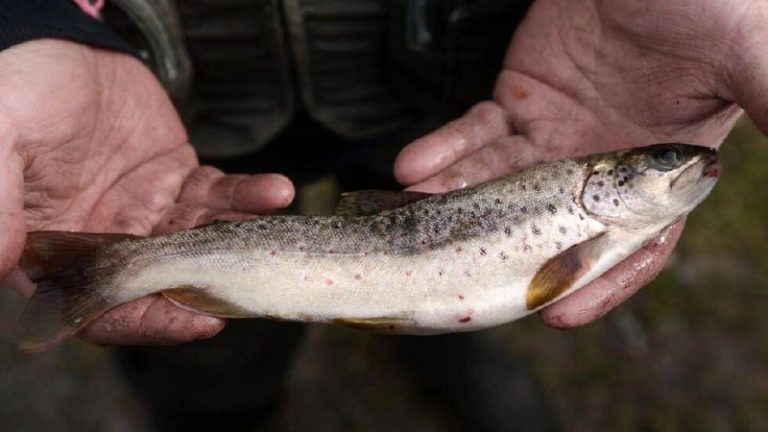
(690, 352)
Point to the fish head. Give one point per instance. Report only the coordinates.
(649, 186)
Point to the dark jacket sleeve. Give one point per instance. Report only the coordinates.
(24, 20)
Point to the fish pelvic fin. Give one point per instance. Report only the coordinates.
(68, 295)
(561, 271)
(198, 300)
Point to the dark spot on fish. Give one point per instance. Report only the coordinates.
(497, 201)
(610, 172)
(465, 319)
(570, 210)
(621, 183)
(581, 216)
(476, 205)
(461, 297)
(558, 245)
(358, 276)
(596, 197)
(536, 187)
(562, 229)
(172, 221)
(622, 170)
(595, 172)
(503, 256)
(262, 226)
(460, 210)
(523, 187)
(467, 273)
(440, 273)
(527, 248)
(561, 190)
(483, 252)
(524, 210)
(408, 273)
(459, 249)
(551, 208)
(615, 202)
(600, 183)
(535, 229)
(569, 171)
(508, 231)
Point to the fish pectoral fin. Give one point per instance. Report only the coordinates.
(560, 272)
(369, 202)
(199, 299)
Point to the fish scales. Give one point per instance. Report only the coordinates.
(452, 255)
(464, 260)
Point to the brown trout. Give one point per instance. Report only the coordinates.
(400, 262)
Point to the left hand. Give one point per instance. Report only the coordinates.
(592, 76)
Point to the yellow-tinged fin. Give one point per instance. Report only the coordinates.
(198, 299)
(377, 324)
(369, 202)
(561, 271)
(69, 279)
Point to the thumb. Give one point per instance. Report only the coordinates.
(748, 77)
(13, 232)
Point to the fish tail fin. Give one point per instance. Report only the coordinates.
(68, 294)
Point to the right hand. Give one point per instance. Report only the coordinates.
(89, 141)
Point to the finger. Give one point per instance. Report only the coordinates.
(11, 203)
(503, 156)
(433, 153)
(615, 286)
(150, 320)
(210, 187)
(256, 193)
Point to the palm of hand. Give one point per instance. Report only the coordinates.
(593, 76)
(94, 144)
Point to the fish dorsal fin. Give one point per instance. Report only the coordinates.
(560, 272)
(369, 202)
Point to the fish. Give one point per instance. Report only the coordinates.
(394, 262)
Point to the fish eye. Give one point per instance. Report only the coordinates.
(666, 158)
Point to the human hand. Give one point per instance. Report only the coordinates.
(591, 76)
(89, 141)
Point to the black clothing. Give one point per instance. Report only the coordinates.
(24, 20)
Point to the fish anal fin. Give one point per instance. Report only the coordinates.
(369, 202)
(377, 324)
(199, 299)
(560, 272)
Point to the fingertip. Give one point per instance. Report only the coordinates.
(206, 327)
(263, 192)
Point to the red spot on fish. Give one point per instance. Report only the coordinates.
(328, 282)
(272, 253)
(408, 273)
(466, 319)
(330, 251)
(459, 249)
(712, 170)
(358, 277)
(461, 297)
(307, 278)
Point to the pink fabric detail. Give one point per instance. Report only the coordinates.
(91, 7)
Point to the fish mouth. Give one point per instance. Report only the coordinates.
(711, 165)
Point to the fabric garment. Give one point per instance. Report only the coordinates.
(24, 20)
